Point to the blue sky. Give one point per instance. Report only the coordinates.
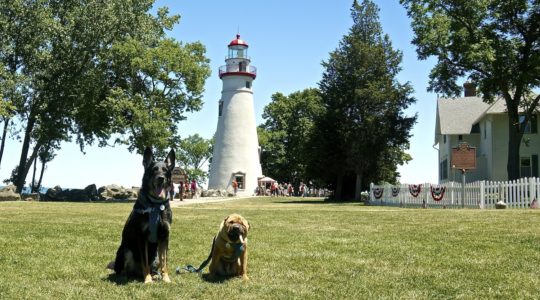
(287, 40)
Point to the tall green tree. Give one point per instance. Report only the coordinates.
(161, 82)
(193, 153)
(284, 134)
(364, 131)
(495, 44)
(77, 76)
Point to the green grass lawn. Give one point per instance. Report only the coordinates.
(298, 250)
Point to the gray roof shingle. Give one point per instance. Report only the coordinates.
(458, 115)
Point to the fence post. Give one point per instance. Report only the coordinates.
(427, 194)
(482, 194)
(371, 192)
(452, 194)
(532, 189)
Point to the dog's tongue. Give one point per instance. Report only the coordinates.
(159, 190)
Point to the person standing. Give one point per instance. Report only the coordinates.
(193, 188)
(181, 190)
(235, 186)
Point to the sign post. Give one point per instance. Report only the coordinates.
(463, 158)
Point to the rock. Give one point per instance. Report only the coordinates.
(114, 191)
(74, 195)
(500, 205)
(92, 193)
(134, 191)
(8, 194)
(52, 193)
(215, 193)
(8, 188)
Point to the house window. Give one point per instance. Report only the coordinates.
(444, 138)
(248, 84)
(525, 169)
(485, 130)
(530, 127)
(460, 137)
(220, 108)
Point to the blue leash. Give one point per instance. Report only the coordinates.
(238, 249)
(192, 269)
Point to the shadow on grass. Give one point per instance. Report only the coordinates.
(217, 279)
(321, 201)
(121, 279)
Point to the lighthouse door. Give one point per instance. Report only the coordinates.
(242, 66)
(240, 179)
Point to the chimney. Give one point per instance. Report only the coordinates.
(470, 89)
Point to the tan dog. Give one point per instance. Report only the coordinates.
(229, 253)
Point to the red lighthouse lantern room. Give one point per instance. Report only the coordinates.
(238, 61)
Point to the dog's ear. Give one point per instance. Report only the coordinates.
(170, 159)
(148, 157)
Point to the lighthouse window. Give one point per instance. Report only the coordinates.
(220, 108)
(248, 84)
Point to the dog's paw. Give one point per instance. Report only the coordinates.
(110, 266)
(148, 279)
(166, 278)
(245, 277)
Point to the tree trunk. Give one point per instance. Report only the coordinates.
(33, 189)
(358, 187)
(30, 161)
(4, 134)
(43, 163)
(23, 168)
(339, 188)
(514, 144)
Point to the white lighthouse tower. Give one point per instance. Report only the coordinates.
(236, 148)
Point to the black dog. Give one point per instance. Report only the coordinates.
(146, 233)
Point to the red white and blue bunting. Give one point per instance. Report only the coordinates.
(378, 192)
(437, 192)
(395, 191)
(415, 189)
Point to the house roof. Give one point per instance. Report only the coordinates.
(458, 115)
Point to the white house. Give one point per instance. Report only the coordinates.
(484, 126)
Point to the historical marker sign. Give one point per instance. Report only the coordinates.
(178, 176)
(464, 157)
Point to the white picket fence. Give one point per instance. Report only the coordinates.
(480, 194)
